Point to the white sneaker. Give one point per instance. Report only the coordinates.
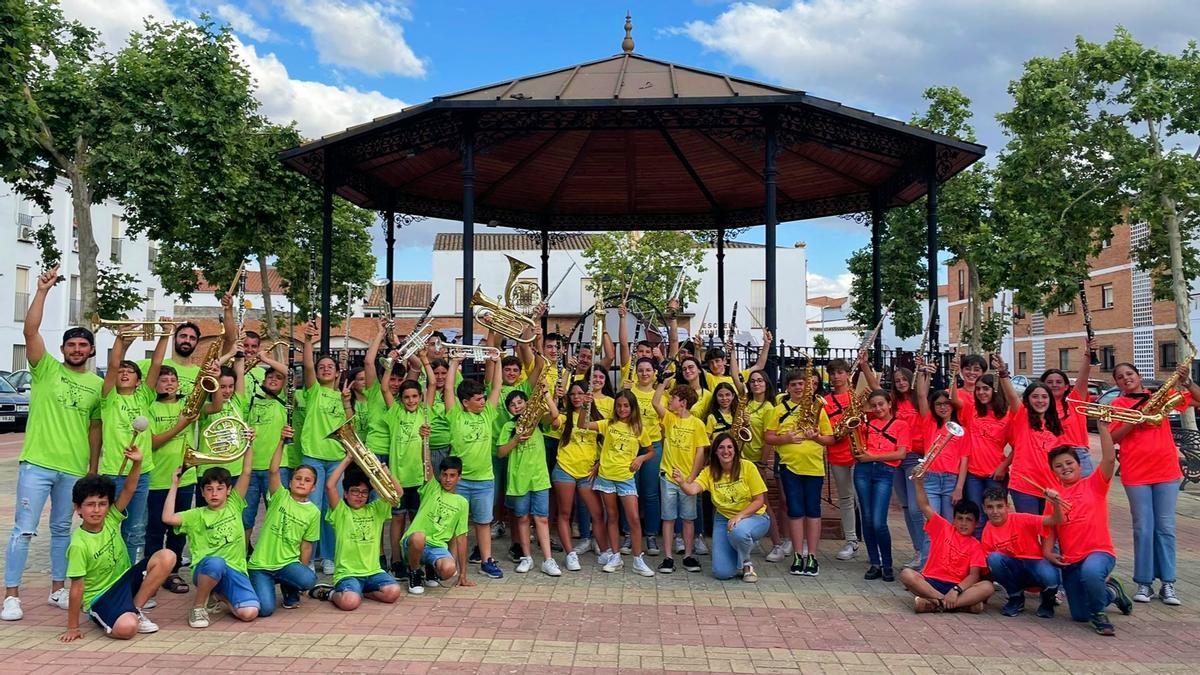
(327, 567)
(1168, 595)
(12, 609)
(788, 549)
(525, 565)
(60, 598)
(198, 618)
(550, 568)
(652, 546)
(1145, 592)
(640, 566)
(581, 547)
(615, 562)
(678, 544)
(498, 529)
(150, 604)
(699, 548)
(777, 553)
(146, 625)
(848, 550)
(573, 562)
(627, 545)
(596, 547)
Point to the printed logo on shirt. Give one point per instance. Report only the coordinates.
(958, 556)
(287, 528)
(225, 531)
(362, 525)
(1008, 545)
(74, 396)
(444, 513)
(472, 428)
(731, 492)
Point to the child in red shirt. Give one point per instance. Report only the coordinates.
(987, 436)
(1013, 545)
(952, 578)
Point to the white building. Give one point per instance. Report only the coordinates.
(745, 281)
(829, 317)
(19, 269)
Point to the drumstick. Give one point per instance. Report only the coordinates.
(140, 424)
(1066, 505)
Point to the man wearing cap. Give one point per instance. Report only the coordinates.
(61, 443)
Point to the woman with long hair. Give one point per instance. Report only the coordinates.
(646, 373)
(885, 441)
(760, 397)
(987, 434)
(945, 474)
(1074, 425)
(578, 452)
(691, 373)
(1033, 432)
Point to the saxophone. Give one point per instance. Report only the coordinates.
(741, 421)
(807, 413)
(535, 409)
(205, 384)
(1166, 399)
(379, 477)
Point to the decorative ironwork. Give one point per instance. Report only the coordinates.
(802, 124)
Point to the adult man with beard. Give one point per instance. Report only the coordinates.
(62, 440)
(183, 345)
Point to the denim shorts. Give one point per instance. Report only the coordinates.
(231, 583)
(622, 488)
(361, 585)
(481, 495)
(675, 503)
(410, 501)
(802, 494)
(560, 475)
(430, 555)
(535, 502)
(118, 598)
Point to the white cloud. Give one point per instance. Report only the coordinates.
(243, 23)
(365, 36)
(834, 288)
(115, 19)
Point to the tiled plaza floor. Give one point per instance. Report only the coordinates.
(595, 622)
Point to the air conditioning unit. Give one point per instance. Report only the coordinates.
(25, 227)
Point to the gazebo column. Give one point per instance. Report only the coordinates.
(931, 243)
(770, 173)
(390, 225)
(468, 210)
(326, 247)
(721, 286)
(545, 239)
(877, 275)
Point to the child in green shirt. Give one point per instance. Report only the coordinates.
(472, 420)
(267, 415)
(439, 527)
(102, 581)
(170, 432)
(285, 542)
(408, 433)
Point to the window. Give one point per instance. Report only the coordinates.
(1064, 359)
(73, 311)
(458, 294)
(25, 227)
(1018, 312)
(1168, 357)
(75, 237)
(758, 302)
(152, 253)
(1106, 243)
(587, 298)
(1106, 296)
(151, 313)
(115, 250)
(21, 299)
(1068, 308)
(19, 362)
(1022, 361)
(1108, 359)
(962, 284)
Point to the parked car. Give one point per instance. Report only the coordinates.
(21, 380)
(1110, 394)
(14, 408)
(1020, 383)
(1097, 387)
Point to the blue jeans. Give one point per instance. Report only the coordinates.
(35, 484)
(1015, 574)
(133, 528)
(1084, 585)
(731, 550)
(231, 583)
(325, 548)
(974, 490)
(873, 482)
(1153, 510)
(938, 487)
(260, 488)
(157, 532)
(292, 578)
(906, 494)
(1023, 503)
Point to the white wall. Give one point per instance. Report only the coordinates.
(844, 335)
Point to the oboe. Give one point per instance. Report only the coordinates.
(1087, 323)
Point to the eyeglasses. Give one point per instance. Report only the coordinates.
(357, 492)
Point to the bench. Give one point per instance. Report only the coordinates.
(1188, 442)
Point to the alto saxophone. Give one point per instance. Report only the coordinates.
(741, 421)
(535, 409)
(205, 384)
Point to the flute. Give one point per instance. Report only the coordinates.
(1087, 323)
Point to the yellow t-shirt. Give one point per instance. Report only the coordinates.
(704, 396)
(806, 458)
(731, 497)
(650, 421)
(682, 437)
(577, 455)
(620, 449)
(605, 405)
(758, 414)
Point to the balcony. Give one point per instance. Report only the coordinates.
(115, 250)
(22, 306)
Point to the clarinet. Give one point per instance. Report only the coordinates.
(1087, 323)
(289, 398)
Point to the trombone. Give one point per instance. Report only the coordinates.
(145, 329)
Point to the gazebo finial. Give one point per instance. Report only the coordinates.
(627, 43)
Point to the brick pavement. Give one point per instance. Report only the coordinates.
(595, 622)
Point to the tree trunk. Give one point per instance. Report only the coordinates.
(1179, 289)
(268, 309)
(81, 205)
(974, 307)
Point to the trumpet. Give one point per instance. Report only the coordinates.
(476, 353)
(953, 430)
(1112, 413)
(145, 329)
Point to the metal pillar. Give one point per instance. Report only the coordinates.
(877, 276)
(931, 242)
(545, 275)
(468, 210)
(721, 286)
(770, 172)
(326, 249)
(390, 224)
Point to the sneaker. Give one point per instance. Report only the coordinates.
(1168, 595)
(788, 549)
(626, 545)
(1014, 606)
(514, 552)
(1060, 596)
(797, 567)
(777, 553)
(217, 607)
(873, 573)
(550, 568)
(60, 598)
(667, 566)
(1101, 625)
(615, 562)
(146, 625)
(1120, 597)
(491, 569)
(431, 577)
(399, 570)
(198, 617)
(848, 550)
(573, 562)
(185, 561)
(652, 546)
(691, 564)
(605, 557)
(291, 600)
(596, 547)
(1045, 608)
(416, 582)
(475, 558)
(524, 565)
(678, 544)
(327, 567)
(320, 592)
(748, 574)
(640, 566)
(12, 609)
(1145, 593)
(498, 529)
(150, 604)
(916, 563)
(699, 548)
(888, 575)
(811, 567)
(581, 547)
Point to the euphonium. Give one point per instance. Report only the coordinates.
(953, 430)
(378, 475)
(205, 384)
(504, 320)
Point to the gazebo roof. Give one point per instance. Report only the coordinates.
(630, 142)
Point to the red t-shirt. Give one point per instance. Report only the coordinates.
(948, 459)
(1074, 425)
(1019, 537)
(839, 452)
(1084, 529)
(907, 412)
(986, 438)
(884, 437)
(951, 555)
(967, 410)
(1148, 452)
(1031, 448)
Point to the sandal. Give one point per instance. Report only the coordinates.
(176, 584)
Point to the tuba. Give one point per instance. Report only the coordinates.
(509, 319)
(379, 477)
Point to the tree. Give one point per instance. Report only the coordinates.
(821, 344)
(650, 263)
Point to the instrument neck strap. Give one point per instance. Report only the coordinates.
(882, 431)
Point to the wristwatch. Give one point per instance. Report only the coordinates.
(957, 589)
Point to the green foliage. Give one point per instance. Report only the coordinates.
(299, 262)
(992, 330)
(43, 236)
(903, 273)
(651, 262)
(821, 344)
(116, 293)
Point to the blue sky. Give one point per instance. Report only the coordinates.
(329, 64)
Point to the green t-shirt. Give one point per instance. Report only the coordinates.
(375, 433)
(288, 523)
(527, 470)
(502, 415)
(471, 439)
(217, 532)
(187, 374)
(254, 379)
(238, 402)
(357, 533)
(267, 416)
(62, 405)
(404, 456)
(100, 558)
(117, 412)
(442, 515)
(323, 413)
(439, 428)
(169, 456)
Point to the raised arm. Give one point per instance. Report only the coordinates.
(657, 400)
(310, 370)
(228, 319)
(868, 373)
(923, 499)
(448, 389)
(331, 483)
(764, 353)
(386, 390)
(373, 355)
(923, 377)
(1010, 392)
(496, 381)
(160, 353)
(115, 356)
(130, 486)
(35, 347)
(1108, 454)
(243, 482)
(1085, 370)
(622, 335)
